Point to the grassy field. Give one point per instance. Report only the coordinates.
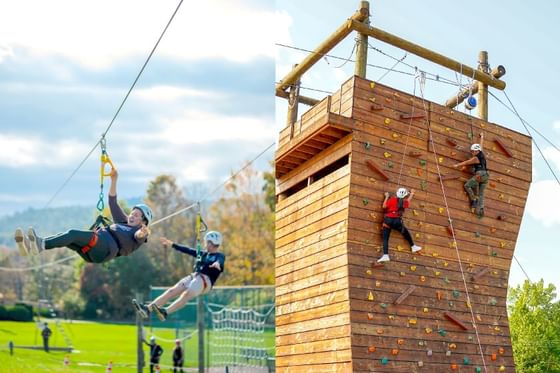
(95, 345)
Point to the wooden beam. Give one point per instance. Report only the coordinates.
(427, 54)
(375, 168)
(503, 146)
(480, 273)
(362, 47)
(344, 30)
(413, 116)
(405, 294)
(497, 72)
(482, 87)
(302, 99)
(449, 316)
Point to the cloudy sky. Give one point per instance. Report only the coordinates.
(516, 34)
(202, 107)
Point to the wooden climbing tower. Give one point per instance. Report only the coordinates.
(440, 310)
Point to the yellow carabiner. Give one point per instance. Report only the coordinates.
(105, 160)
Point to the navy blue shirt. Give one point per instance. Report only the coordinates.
(481, 165)
(206, 260)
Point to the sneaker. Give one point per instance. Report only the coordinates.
(480, 212)
(474, 203)
(384, 258)
(415, 248)
(142, 309)
(160, 312)
(22, 242)
(37, 243)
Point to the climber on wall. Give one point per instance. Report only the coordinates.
(394, 208)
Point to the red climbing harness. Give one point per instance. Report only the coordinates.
(92, 242)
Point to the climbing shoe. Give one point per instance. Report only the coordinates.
(37, 243)
(384, 258)
(160, 312)
(22, 242)
(142, 309)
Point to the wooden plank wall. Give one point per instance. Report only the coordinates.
(312, 299)
(415, 335)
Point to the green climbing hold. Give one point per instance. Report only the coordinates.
(390, 164)
(456, 293)
(384, 361)
(383, 305)
(477, 234)
(422, 162)
(466, 361)
(477, 370)
(442, 332)
(365, 201)
(494, 253)
(367, 145)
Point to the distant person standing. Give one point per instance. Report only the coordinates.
(155, 352)
(178, 357)
(46, 333)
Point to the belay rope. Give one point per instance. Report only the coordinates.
(200, 227)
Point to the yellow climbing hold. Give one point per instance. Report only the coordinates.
(478, 318)
(425, 310)
(402, 274)
(372, 85)
(412, 321)
(395, 135)
(440, 160)
(391, 317)
(502, 244)
(415, 213)
(387, 121)
(370, 296)
(441, 210)
(387, 155)
(368, 272)
(437, 273)
(378, 283)
(502, 368)
(416, 235)
(468, 304)
(413, 268)
(428, 330)
(382, 141)
(400, 248)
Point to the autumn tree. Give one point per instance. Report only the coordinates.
(535, 327)
(247, 223)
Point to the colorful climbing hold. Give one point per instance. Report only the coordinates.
(372, 85)
(387, 121)
(425, 310)
(466, 361)
(412, 321)
(370, 296)
(382, 141)
(400, 341)
(422, 278)
(370, 316)
(387, 154)
(442, 332)
(454, 367)
(384, 361)
(478, 370)
(395, 351)
(423, 185)
(413, 268)
(365, 201)
(456, 293)
(428, 330)
(367, 145)
(441, 210)
(493, 357)
(422, 162)
(429, 353)
(371, 349)
(502, 368)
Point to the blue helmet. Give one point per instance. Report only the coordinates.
(146, 211)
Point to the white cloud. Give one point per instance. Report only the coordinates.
(552, 156)
(170, 93)
(20, 151)
(544, 197)
(556, 125)
(97, 34)
(197, 127)
(5, 51)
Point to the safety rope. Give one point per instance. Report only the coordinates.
(455, 244)
(422, 77)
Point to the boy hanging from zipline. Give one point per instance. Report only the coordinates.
(394, 208)
(207, 269)
(99, 245)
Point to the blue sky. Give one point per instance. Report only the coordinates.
(517, 34)
(201, 109)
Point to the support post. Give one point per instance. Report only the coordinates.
(200, 324)
(293, 102)
(482, 87)
(362, 46)
(139, 339)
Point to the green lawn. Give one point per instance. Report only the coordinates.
(95, 343)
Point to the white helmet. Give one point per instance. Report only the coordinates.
(476, 147)
(214, 237)
(402, 192)
(152, 339)
(146, 211)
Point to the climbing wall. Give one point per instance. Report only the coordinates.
(413, 314)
